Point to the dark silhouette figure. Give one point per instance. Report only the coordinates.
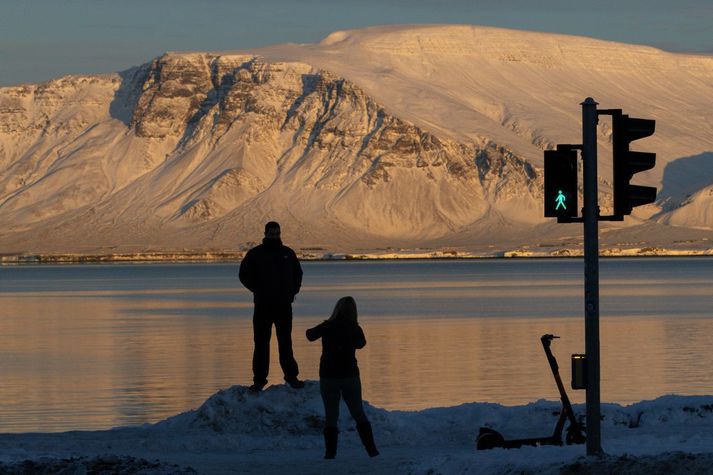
(273, 274)
(339, 374)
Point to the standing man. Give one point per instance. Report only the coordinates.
(273, 274)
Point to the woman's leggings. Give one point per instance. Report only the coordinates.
(332, 389)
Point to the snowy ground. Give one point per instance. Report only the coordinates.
(280, 430)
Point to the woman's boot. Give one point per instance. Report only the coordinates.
(367, 438)
(331, 435)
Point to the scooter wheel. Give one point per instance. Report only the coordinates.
(575, 436)
(489, 439)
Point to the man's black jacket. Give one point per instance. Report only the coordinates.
(271, 272)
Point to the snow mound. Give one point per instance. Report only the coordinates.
(277, 411)
(283, 414)
(664, 416)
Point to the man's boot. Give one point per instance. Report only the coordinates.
(367, 438)
(331, 435)
(295, 383)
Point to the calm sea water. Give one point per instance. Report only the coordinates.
(98, 346)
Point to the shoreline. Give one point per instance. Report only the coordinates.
(305, 255)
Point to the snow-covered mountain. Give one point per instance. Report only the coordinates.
(411, 136)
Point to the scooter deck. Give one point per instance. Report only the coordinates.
(490, 439)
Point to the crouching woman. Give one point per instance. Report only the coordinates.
(339, 374)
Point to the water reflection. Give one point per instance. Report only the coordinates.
(86, 347)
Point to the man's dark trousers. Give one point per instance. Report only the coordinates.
(266, 314)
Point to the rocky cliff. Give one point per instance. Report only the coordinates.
(213, 145)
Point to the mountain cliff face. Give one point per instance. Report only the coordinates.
(198, 150)
(198, 141)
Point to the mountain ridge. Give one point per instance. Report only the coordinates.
(197, 150)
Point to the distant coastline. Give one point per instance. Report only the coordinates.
(310, 255)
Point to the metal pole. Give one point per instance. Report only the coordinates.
(591, 273)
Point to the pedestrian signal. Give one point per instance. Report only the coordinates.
(561, 183)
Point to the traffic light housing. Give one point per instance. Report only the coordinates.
(561, 183)
(626, 163)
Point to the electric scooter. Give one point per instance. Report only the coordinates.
(490, 439)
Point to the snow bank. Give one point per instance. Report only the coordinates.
(263, 433)
(281, 411)
(284, 418)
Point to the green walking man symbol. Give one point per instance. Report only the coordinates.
(560, 200)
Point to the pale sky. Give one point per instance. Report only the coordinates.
(43, 39)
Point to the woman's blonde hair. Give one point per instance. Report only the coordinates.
(345, 309)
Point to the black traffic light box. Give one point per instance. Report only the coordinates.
(561, 183)
(626, 163)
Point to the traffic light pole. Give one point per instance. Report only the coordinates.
(591, 273)
(560, 191)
